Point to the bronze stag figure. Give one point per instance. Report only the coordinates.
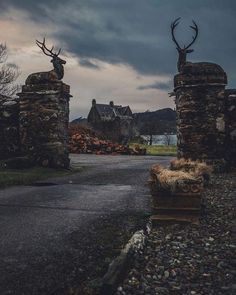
(183, 51)
(191, 68)
(52, 76)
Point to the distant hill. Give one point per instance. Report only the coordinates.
(156, 122)
(80, 120)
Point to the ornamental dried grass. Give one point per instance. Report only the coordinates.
(196, 168)
(167, 178)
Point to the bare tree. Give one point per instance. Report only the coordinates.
(9, 72)
(150, 129)
(167, 139)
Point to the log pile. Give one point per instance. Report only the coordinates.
(83, 140)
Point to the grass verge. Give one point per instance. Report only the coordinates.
(10, 177)
(158, 150)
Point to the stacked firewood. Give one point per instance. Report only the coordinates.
(84, 140)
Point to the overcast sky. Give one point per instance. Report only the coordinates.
(118, 50)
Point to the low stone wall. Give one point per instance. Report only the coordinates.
(9, 127)
(230, 150)
(44, 118)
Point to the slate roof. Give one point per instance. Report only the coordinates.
(122, 110)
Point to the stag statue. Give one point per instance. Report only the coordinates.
(52, 76)
(183, 51)
(190, 68)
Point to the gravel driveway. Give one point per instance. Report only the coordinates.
(60, 239)
(191, 259)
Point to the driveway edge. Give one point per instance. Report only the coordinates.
(120, 265)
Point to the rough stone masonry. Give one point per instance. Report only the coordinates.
(44, 118)
(206, 111)
(206, 115)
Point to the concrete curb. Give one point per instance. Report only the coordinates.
(120, 265)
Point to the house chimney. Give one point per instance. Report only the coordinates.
(112, 104)
(93, 102)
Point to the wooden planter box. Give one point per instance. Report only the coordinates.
(181, 202)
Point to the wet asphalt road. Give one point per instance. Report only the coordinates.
(38, 254)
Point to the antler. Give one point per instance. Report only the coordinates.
(45, 50)
(195, 28)
(173, 26)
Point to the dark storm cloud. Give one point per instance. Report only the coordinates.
(157, 85)
(36, 8)
(137, 33)
(88, 64)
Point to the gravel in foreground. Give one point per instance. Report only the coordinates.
(191, 259)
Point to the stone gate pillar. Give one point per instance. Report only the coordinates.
(200, 106)
(44, 118)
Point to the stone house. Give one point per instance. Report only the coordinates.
(115, 122)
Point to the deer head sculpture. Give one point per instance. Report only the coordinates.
(183, 51)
